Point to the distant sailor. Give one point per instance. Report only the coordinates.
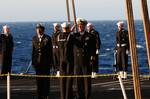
(66, 61)
(55, 46)
(122, 49)
(42, 60)
(91, 30)
(84, 55)
(6, 49)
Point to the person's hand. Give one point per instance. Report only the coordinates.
(92, 58)
(97, 51)
(58, 74)
(93, 75)
(115, 51)
(73, 28)
(127, 52)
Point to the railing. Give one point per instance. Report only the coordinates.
(66, 76)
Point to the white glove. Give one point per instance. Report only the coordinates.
(58, 74)
(127, 52)
(93, 75)
(97, 51)
(125, 75)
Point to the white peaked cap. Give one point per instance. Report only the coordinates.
(78, 19)
(89, 24)
(5, 27)
(81, 21)
(65, 25)
(55, 24)
(119, 23)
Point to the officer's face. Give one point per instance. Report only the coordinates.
(89, 28)
(40, 31)
(81, 27)
(6, 30)
(65, 29)
(56, 28)
(120, 27)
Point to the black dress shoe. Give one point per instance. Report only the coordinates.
(45, 97)
(42, 97)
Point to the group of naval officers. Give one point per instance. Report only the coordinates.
(69, 53)
(73, 54)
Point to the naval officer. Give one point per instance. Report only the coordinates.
(84, 56)
(41, 60)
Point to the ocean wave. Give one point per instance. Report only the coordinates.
(108, 49)
(23, 33)
(103, 55)
(140, 30)
(108, 35)
(139, 46)
(18, 42)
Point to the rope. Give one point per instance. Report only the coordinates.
(67, 76)
(61, 76)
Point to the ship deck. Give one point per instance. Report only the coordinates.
(102, 88)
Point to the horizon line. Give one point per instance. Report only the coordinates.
(61, 21)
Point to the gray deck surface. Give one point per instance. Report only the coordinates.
(102, 88)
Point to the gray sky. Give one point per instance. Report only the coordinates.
(55, 10)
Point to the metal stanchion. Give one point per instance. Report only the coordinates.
(122, 87)
(8, 86)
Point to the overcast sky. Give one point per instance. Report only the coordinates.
(55, 10)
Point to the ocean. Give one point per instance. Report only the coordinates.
(24, 31)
